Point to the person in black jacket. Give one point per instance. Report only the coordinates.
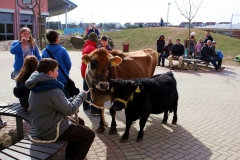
(167, 50)
(207, 55)
(213, 46)
(208, 37)
(21, 91)
(176, 53)
(160, 47)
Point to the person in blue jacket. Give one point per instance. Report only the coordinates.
(61, 55)
(23, 47)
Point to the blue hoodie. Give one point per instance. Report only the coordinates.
(61, 55)
(16, 48)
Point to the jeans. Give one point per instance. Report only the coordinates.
(163, 58)
(219, 62)
(85, 104)
(80, 139)
(213, 61)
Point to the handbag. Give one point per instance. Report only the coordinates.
(71, 85)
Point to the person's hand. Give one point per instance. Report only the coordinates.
(24, 39)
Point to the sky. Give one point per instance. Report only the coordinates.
(100, 11)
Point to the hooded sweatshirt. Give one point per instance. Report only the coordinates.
(61, 55)
(48, 105)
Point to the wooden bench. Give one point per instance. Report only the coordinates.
(26, 149)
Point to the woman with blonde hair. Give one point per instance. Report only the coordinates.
(23, 47)
(21, 91)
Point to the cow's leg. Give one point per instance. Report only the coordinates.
(126, 133)
(174, 121)
(142, 124)
(165, 117)
(101, 128)
(113, 129)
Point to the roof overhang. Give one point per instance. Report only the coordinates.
(221, 27)
(58, 7)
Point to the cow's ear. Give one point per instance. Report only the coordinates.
(86, 58)
(115, 61)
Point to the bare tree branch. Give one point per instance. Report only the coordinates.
(181, 10)
(197, 8)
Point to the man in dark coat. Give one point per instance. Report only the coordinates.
(176, 53)
(213, 46)
(206, 55)
(208, 37)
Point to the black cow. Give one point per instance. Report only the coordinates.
(144, 96)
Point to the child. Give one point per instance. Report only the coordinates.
(89, 46)
(21, 91)
(199, 46)
(23, 47)
(61, 55)
(160, 48)
(104, 43)
(48, 106)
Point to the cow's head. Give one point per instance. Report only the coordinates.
(124, 91)
(98, 65)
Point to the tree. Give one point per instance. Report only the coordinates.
(37, 15)
(189, 10)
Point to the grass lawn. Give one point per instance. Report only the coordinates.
(141, 38)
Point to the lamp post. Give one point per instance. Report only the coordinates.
(168, 12)
(103, 22)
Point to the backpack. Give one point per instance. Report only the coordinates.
(220, 54)
(237, 58)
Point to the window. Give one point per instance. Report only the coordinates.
(6, 17)
(9, 28)
(2, 28)
(26, 18)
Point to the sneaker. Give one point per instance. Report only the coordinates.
(219, 69)
(222, 68)
(95, 113)
(171, 68)
(2, 124)
(162, 65)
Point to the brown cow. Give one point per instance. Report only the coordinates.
(104, 65)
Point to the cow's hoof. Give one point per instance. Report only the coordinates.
(123, 140)
(139, 139)
(164, 122)
(113, 131)
(174, 123)
(100, 130)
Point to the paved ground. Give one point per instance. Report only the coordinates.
(208, 118)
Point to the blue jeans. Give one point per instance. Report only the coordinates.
(85, 104)
(213, 61)
(163, 57)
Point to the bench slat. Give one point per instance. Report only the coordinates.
(5, 157)
(31, 153)
(37, 148)
(17, 155)
(15, 105)
(50, 145)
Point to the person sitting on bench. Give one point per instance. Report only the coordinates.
(213, 46)
(48, 106)
(206, 55)
(176, 53)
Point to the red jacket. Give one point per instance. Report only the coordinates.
(88, 47)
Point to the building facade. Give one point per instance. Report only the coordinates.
(13, 17)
